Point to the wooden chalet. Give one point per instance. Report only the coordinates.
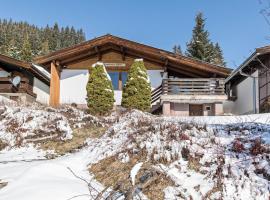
(181, 85)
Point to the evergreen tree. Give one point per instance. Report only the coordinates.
(177, 50)
(26, 52)
(100, 95)
(12, 50)
(45, 47)
(200, 46)
(13, 34)
(218, 56)
(137, 90)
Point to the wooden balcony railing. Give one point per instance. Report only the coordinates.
(189, 86)
(193, 86)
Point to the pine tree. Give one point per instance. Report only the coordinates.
(200, 46)
(100, 94)
(137, 90)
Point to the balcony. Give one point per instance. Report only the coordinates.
(188, 90)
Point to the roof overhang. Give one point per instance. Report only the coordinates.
(9, 63)
(237, 74)
(96, 47)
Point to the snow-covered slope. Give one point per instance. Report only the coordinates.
(169, 158)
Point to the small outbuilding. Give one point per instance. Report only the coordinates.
(23, 81)
(248, 87)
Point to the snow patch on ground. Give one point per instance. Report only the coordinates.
(199, 154)
(134, 172)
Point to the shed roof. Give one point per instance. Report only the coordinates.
(8, 63)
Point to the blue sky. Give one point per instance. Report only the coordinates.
(236, 24)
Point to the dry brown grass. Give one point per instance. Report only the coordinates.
(194, 163)
(2, 145)
(77, 142)
(111, 172)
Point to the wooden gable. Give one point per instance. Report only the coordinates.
(113, 49)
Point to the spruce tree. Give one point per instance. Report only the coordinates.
(218, 56)
(45, 47)
(26, 53)
(200, 46)
(137, 90)
(13, 34)
(100, 94)
(12, 50)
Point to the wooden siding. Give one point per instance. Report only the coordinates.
(24, 87)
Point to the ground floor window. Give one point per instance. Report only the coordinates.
(119, 79)
(264, 90)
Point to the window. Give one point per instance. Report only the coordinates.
(208, 108)
(119, 79)
(115, 79)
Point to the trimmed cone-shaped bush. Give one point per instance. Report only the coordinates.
(137, 90)
(100, 95)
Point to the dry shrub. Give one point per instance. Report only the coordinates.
(111, 172)
(194, 163)
(2, 145)
(238, 146)
(185, 153)
(184, 137)
(257, 147)
(263, 172)
(152, 182)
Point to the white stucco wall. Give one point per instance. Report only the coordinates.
(42, 91)
(244, 102)
(73, 86)
(155, 78)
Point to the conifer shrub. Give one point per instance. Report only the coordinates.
(137, 90)
(100, 95)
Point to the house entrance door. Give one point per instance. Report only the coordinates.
(195, 110)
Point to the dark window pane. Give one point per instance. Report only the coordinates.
(115, 79)
(124, 78)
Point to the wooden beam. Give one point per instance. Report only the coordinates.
(55, 85)
(123, 53)
(98, 52)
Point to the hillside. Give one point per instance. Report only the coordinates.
(67, 154)
(24, 41)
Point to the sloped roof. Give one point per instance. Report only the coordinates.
(8, 62)
(251, 61)
(107, 42)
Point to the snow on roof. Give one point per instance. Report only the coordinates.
(42, 70)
